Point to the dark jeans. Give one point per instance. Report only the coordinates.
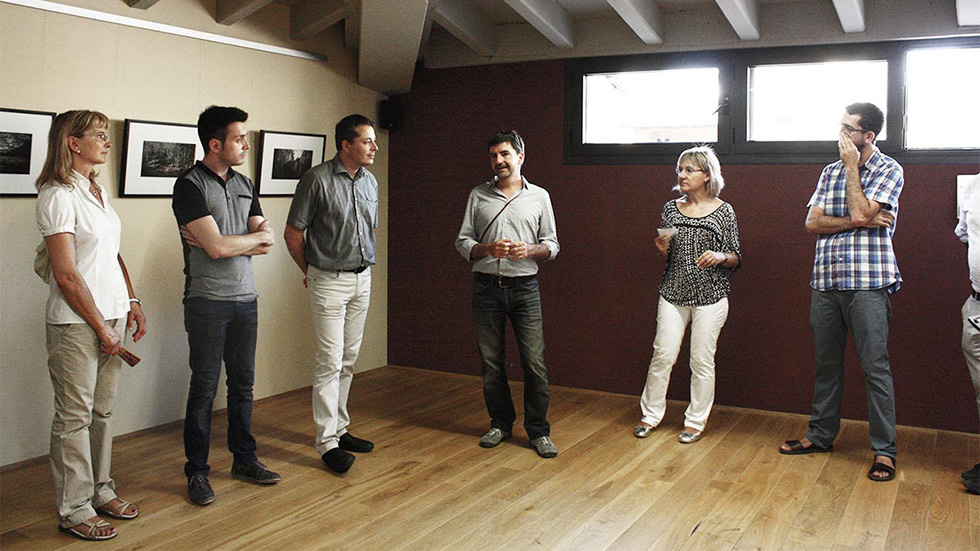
(492, 305)
(219, 330)
(866, 314)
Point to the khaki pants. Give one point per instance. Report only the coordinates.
(84, 381)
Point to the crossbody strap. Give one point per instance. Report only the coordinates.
(485, 230)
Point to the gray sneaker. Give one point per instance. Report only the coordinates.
(545, 447)
(493, 437)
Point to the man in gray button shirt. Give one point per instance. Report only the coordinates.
(330, 235)
(509, 226)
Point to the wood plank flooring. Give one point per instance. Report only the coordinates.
(428, 486)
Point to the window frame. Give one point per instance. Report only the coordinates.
(733, 68)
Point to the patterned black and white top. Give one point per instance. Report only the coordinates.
(684, 284)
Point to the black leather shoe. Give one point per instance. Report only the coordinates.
(973, 473)
(972, 485)
(256, 473)
(199, 490)
(352, 443)
(338, 460)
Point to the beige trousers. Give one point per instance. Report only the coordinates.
(84, 381)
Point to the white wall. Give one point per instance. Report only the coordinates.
(56, 62)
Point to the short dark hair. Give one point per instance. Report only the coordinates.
(346, 129)
(872, 119)
(213, 123)
(507, 136)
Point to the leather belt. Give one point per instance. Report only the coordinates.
(502, 281)
(355, 270)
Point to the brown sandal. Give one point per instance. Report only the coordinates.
(87, 530)
(119, 512)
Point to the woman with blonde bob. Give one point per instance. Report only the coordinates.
(699, 242)
(91, 300)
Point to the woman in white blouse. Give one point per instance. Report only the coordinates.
(90, 306)
(699, 244)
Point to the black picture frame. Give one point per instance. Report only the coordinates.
(23, 149)
(283, 158)
(154, 154)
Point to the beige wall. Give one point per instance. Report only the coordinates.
(55, 62)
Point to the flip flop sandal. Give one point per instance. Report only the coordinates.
(881, 467)
(119, 512)
(90, 531)
(796, 448)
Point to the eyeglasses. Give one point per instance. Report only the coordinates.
(687, 170)
(100, 135)
(848, 129)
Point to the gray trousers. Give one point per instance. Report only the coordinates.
(971, 344)
(866, 314)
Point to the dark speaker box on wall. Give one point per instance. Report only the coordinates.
(390, 114)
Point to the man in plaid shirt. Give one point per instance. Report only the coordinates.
(853, 212)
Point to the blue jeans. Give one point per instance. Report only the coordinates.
(866, 314)
(219, 330)
(492, 305)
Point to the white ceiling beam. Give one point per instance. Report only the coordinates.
(306, 19)
(967, 12)
(643, 16)
(851, 15)
(743, 16)
(390, 36)
(459, 18)
(141, 4)
(229, 12)
(548, 17)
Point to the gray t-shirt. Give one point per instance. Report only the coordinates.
(339, 215)
(200, 192)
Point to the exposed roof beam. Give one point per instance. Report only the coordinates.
(548, 17)
(743, 16)
(643, 16)
(390, 35)
(352, 28)
(967, 12)
(459, 18)
(141, 4)
(851, 15)
(229, 12)
(427, 28)
(309, 18)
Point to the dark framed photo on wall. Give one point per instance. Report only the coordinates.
(154, 155)
(23, 148)
(284, 157)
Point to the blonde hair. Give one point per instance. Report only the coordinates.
(705, 159)
(57, 166)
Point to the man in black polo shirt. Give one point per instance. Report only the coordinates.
(330, 235)
(222, 227)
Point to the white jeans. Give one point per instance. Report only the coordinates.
(706, 323)
(339, 302)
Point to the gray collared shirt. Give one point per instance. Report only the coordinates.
(529, 218)
(339, 215)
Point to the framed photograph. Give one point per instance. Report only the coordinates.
(284, 157)
(154, 155)
(23, 148)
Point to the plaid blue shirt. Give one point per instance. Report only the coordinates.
(862, 258)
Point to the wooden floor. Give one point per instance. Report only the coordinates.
(427, 485)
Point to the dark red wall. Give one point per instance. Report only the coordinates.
(600, 294)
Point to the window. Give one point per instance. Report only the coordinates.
(774, 105)
(804, 101)
(935, 79)
(678, 105)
